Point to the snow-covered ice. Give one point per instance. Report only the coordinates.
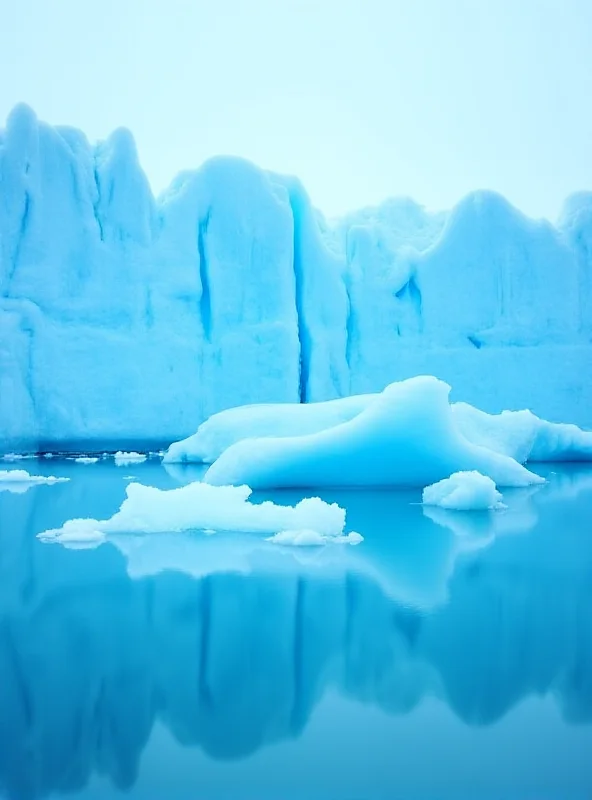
(19, 480)
(230, 289)
(464, 491)
(199, 506)
(406, 437)
(125, 459)
(86, 460)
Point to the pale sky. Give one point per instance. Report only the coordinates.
(362, 99)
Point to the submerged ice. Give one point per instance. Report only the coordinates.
(126, 321)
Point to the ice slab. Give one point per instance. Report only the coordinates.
(202, 507)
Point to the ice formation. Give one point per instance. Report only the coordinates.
(406, 437)
(307, 537)
(519, 434)
(19, 480)
(125, 459)
(199, 506)
(230, 289)
(464, 491)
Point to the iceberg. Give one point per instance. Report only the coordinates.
(125, 459)
(518, 434)
(310, 538)
(201, 507)
(19, 480)
(230, 289)
(406, 437)
(464, 491)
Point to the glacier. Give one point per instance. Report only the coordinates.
(127, 320)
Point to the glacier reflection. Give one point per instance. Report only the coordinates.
(231, 645)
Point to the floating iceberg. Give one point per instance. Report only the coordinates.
(86, 460)
(19, 480)
(311, 538)
(406, 437)
(125, 459)
(518, 434)
(464, 491)
(199, 506)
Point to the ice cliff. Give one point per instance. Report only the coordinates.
(127, 320)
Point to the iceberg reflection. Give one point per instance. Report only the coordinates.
(232, 645)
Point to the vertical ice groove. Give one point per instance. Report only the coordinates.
(205, 302)
(303, 336)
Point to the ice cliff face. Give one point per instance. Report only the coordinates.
(125, 319)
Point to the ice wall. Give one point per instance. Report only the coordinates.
(126, 320)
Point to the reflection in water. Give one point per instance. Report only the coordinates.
(232, 642)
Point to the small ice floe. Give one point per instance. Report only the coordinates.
(312, 538)
(86, 460)
(464, 491)
(19, 480)
(125, 459)
(202, 507)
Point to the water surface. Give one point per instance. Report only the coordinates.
(447, 656)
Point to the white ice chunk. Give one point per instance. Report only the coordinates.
(125, 459)
(86, 460)
(19, 480)
(406, 437)
(464, 491)
(311, 538)
(199, 506)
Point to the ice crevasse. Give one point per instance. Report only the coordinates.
(126, 321)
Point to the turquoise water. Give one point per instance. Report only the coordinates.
(447, 656)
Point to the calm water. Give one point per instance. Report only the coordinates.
(448, 656)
